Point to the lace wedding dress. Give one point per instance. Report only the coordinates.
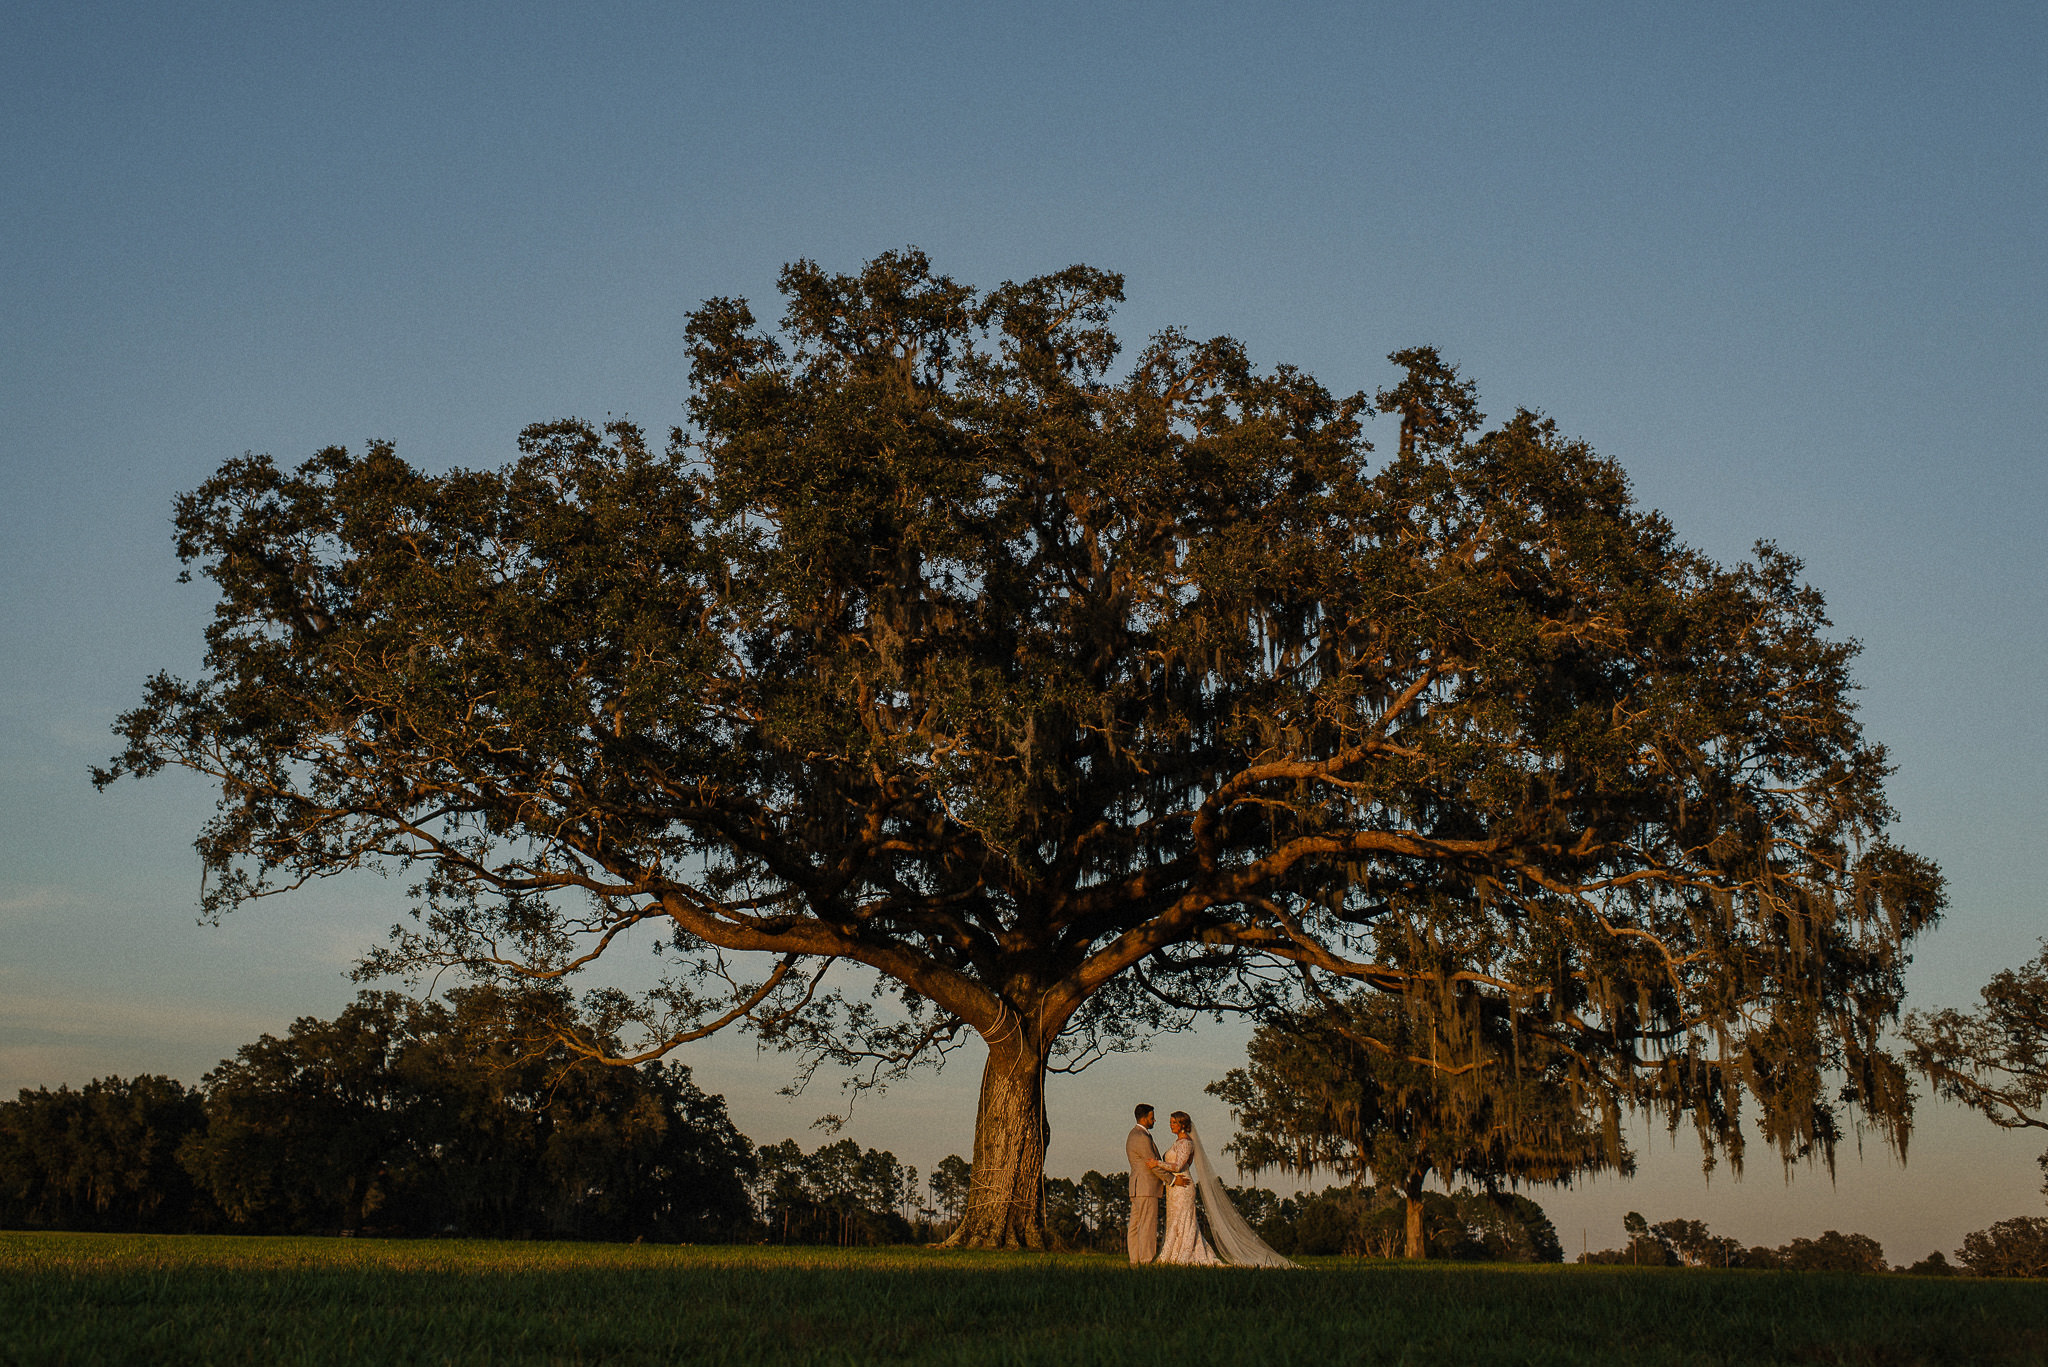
(1183, 1243)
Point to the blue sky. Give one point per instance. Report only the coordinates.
(1784, 262)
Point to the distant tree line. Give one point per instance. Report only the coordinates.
(464, 1117)
(838, 1194)
(396, 1116)
(2010, 1248)
(1689, 1243)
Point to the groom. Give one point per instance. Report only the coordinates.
(1143, 1234)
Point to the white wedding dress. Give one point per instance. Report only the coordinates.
(1183, 1243)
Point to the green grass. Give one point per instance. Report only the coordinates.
(75, 1298)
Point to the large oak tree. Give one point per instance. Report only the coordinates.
(1065, 698)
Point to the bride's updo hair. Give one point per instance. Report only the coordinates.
(1187, 1121)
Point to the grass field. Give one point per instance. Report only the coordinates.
(81, 1298)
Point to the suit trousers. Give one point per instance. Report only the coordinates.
(1143, 1234)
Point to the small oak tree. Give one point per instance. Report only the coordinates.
(1358, 1088)
(1064, 701)
(1996, 1058)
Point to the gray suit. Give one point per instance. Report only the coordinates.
(1146, 1188)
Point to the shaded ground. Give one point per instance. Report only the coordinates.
(72, 1298)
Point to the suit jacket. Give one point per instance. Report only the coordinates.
(1142, 1152)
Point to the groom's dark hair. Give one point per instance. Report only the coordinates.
(1142, 1111)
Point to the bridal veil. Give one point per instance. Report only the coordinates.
(1238, 1243)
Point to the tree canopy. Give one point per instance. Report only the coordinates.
(1068, 700)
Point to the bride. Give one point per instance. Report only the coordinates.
(1240, 1245)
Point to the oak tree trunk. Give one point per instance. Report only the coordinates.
(354, 1197)
(1005, 1206)
(1418, 1246)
